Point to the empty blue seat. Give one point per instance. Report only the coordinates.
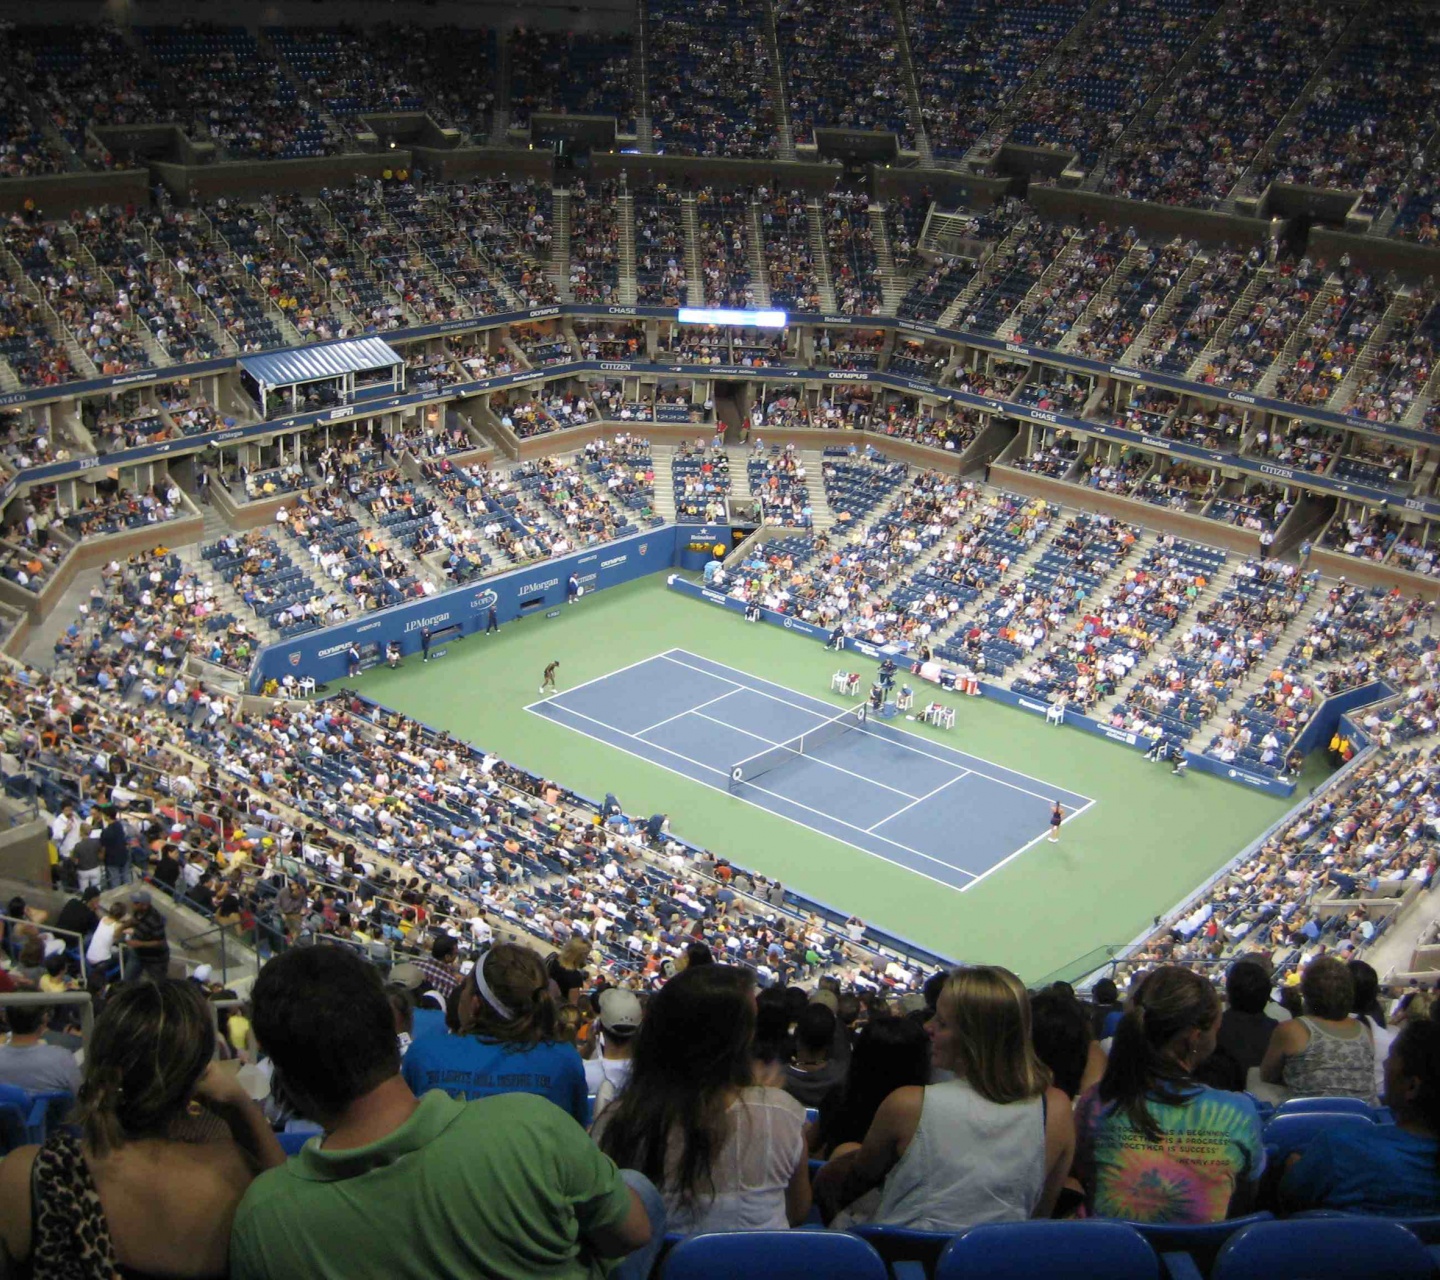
(775, 1255)
(1197, 1241)
(1290, 1133)
(1323, 1249)
(1302, 1106)
(904, 1250)
(1090, 1250)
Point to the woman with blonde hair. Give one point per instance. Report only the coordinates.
(993, 1144)
(566, 968)
(166, 1137)
(509, 1039)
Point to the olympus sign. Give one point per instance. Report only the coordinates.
(847, 375)
(333, 650)
(538, 313)
(613, 561)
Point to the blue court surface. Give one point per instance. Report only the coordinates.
(941, 813)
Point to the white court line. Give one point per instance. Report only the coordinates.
(585, 684)
(1048, 796)
(766, 791)
(785, 817)
(964, 773)
(640, 733)
(1023, 848)
(813, 759)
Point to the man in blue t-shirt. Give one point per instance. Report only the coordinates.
(1381, 1169)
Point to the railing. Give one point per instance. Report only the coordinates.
(73, 939)
(50, 999)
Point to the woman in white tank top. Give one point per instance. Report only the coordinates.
(992, 1145)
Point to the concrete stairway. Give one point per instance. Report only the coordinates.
(558, 267)
(690, 220)
(625, 216)
(661, 457)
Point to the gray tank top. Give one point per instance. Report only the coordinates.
(1333, 1067)
(970, 1161)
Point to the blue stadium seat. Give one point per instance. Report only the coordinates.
(909, 1254)
(1301, 1106)
(22, 1117)
(290, 1143)
(1090, 1250)
(1323, 1249)
(775, 1255)
(1194, 1242)
(1287, 1134)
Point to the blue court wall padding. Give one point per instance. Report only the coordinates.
(1199, 763)
(1321, 726)
(533, 589)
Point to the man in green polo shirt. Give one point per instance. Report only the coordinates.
(507, 1186)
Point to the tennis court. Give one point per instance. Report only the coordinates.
(941, 813)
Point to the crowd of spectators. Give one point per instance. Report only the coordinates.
(660, 277)
(584, 73)
(1127, 52)
(709, 73)
(1367, 124)
(789, 258)
(1214, 120)
(843, 69)
(969, 60)
(594, 242)
(723, 220)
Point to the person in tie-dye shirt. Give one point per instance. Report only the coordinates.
(1152, 1144)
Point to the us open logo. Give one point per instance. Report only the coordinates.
(487, 599)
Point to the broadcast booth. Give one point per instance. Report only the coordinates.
(334, 376)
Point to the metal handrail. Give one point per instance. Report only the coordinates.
(79, 941)
(48, 999)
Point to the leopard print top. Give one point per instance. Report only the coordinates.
(70, 1239)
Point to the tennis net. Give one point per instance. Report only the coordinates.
(804, 744)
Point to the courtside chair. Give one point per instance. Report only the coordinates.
(774, 1255)
(1323, 1249)
(1092, 1250)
